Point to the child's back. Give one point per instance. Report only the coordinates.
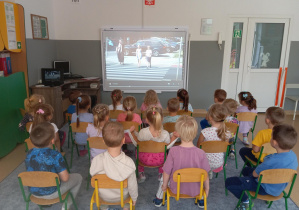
(129, 105)
(116, 97)
(183, 97)
(73, 98)
(173, 106)
(150, 99)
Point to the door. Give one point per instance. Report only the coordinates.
(258, 48)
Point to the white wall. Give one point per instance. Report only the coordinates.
(83, 21)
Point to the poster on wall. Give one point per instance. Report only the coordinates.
(10, 25)
(39, 27)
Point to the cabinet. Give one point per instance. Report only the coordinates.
(58, 96)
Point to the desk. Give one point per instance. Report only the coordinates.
(58, 96)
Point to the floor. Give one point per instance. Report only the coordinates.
(216, 200)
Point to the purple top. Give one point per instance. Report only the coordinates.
(244, 127)
(185, 157)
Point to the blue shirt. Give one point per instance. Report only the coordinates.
(71, 109)
(189, 107)
(44, 159)
(167, 119)
(287, 160)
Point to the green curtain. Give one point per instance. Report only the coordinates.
(12, 95)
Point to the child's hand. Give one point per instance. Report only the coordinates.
(176, 134)
(164, 187)
(132, 128)
(133, 203)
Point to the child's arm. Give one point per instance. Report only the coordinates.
(256, 148)
(206, 186)
(57, 141)
(165, 181)
(200, 139)
(64, 176)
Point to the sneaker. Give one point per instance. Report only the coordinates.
(160, 177)
(245, 141)
(232, 154)
(158, 202)
(83, 152)
(243, 206)
(141, 177)
(210, 174)
(201, 204)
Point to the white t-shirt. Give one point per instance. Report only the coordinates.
(94, 132)
(118, 107)
(145, 135)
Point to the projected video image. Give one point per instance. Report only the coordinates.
(52, 75)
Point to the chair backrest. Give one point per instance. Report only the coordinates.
(268, 149)
(183, 112)
(214, 146)
(246, 116)
(28, 126)
(232, 127)
(113, 114)
(96, 143)
(170, 127)
(128, 124)
(151, 146)
(277, 176)
(29, 144)
(105, 182)
(38, 178)
(23, 112)
(143, 115)
(68, 118)
(190, 175)
(81, 129)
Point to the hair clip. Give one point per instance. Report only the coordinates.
(153, 113)
(245, 95)
(79, 99)
(40, 100)
(40, 111)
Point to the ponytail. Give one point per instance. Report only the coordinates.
(252, 103)
(129, 105)
(155, 117)
(27, 104)
(248, 99)
(79, 99)
(184, 97)
(100, 112)
(218, 114)
(186, 102)
(221, 131)
(42, 112)
(116, 96)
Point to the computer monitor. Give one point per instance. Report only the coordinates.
(64, 65)
(52, 77)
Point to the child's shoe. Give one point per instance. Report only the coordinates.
(201, 204)
(141, 177)
(160, 177)
(245, 141)
(158, 202)
(210, 174)
(232, 154)
(83, 152)
(243, 206)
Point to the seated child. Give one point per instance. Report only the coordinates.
(219, 97)
(173, 106)
(82, 115)
(116, 96)
(274, 116)
(284, 138)
(29, 105)
(100, 117)
(116, 165)
(217, 132)
(150, 99)
(183, 97)
(184, 156)
(73, 99)
(44, 158)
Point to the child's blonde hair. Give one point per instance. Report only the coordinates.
(151, 98)
(116, 96)
(187, 127)
(100, 112)
(32, 101)
(218, 114)
(155, 117)
(230, 105)
(113, 134)
(42, 113)
(82, 102)
(129, 105)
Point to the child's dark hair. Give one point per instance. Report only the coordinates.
(220, 95)
(42, 134)
(155, 117)
(42, 113)
(129, 104)
(218, 113)
(173, 105)
(83, 102)
(116, 96)
(183, 96)
(285, 135)
(74, 95)
(113, 134)
(230, 105)
(275, 115)
(248, 99)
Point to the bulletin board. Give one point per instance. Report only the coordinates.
(39, 27)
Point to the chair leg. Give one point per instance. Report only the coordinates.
(68, 138)
(72, 156)
(224, 174)
(77, 150)
(236, 156)
(168, 202)
(40, 207)
(73, 200)
(239, 202)
(205, 201)
(286, 203)
(67, 165)
(270, 203)
(27, 205)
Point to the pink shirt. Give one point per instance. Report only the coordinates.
(122, 117)
(185, 157)
(144, 107)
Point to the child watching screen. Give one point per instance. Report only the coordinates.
(248, 105)
(44, 158)
(173, 106)
(116, 97)
(284, 138)
(100, 118)
(73, 99)
(130, 105)
(116, 165)
(274, 116)
(184, 156)
(183, 97)
(29, 104)
(150, 98)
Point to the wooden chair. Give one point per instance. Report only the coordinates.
(183, 112)
(113, 114)
(29, 145)
(75, 129)
(217, 147)
(170, 127)
(43, 179)
(272, 176)
(22, 111)
(128, 124)
(102, 181)
(248, 117)
(150, 147)
(233, 128)
(28, 125)
(265, 149)
(95, 143)
(68, 119)
(187, 175)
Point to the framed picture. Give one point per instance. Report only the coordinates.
(39, 27)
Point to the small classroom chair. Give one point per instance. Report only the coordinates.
(187, 175)
(150, 147)
(68, 118)
(113, 114)
(74, 129)
(29, 145)
(103, 181)
(217, 147)
(22, 111)
(170, 127)
(272, 176)
(128, 124)
(28, 126)
(183, 112)
(43, 179)
(96, 143)
(233, 128)
(248, 117)
(265, 149)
